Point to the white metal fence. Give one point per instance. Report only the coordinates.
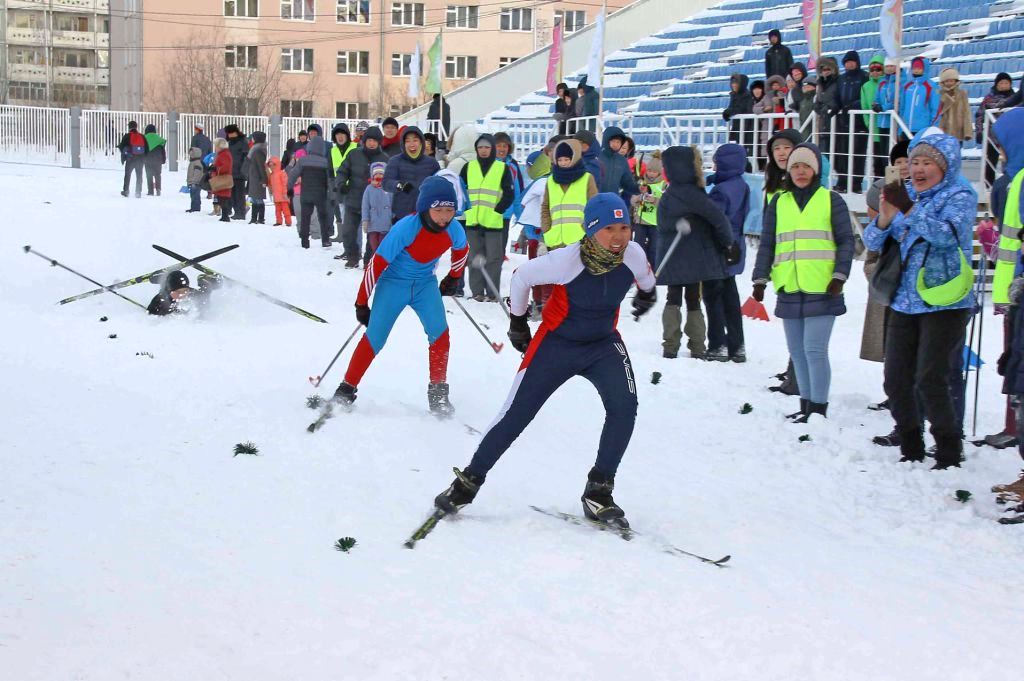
(102, 130)
(33, 134)
(291, 127)
(212, 126)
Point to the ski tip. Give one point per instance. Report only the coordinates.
(722, 561)
(410, 544)
(311, 428)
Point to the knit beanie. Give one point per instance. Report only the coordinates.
(949, 73)
(602, 210)
(806, 156)
(917, 62)
(928, 151)
(377, 168)
(810, 80)
(892, 61)
(177, 279)
(436, 192)
(873, 196)
(899, 150)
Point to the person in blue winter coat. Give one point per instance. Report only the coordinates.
(919, 97)
(577, 337)
(407, 171)
(591, 154)
(933, 222)
(616, 177)
(721, 297)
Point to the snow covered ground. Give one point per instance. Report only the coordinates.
(133, 544)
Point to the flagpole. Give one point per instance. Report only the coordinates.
(440, 92)
(604, 32)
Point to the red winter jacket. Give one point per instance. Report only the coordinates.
(222, 166)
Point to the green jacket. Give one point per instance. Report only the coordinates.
(867, 95)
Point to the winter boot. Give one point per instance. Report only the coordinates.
(948, 451)
(1012, 492)
(912, 446)
(125, 193)
(812, 409)
(460, 493)
(719, 354)
(788, 378)
(597, 498)
(696, 331)
(345, 395)
(671, 335)
(740, 356)
(437, 398)
(803, 412)
(891, 440)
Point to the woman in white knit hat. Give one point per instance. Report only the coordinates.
(954, 109)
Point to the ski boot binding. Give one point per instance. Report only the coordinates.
(598, 504)
(460, 493)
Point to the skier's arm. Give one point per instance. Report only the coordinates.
(557, 267)
(460, 249)
(636, 261)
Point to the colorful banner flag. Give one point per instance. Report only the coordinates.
(433, 84)
(555, 59)
(891, 28)
(812, 28)
(595, 64)
(414, 73)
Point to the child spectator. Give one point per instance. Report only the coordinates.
(194, 179)
(955, 110)
(279, 192)
(651, 188)
(375, 212)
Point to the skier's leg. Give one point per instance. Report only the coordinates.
(611, 373)
(427, 303)
(549, 362)
(389, 299)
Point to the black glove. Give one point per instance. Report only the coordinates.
(896, 194)
(835, 287)
(1002, 362)
(363, 314)
(448, 285)
(758, 293)
(732, 255)
(405, 187)
(876, 107)
(643, 301)
(519, 332)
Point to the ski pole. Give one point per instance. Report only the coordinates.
(315, 380)
(479, 262)
(54, 263)
(980, 302)
(682, 227)
(494, 346)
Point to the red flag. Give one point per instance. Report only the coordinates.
(754, 310)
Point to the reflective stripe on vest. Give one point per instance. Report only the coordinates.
(1009, 243)
(338, 157)
(805, 249)
(566, 207)
(649, 211)
(484, 195)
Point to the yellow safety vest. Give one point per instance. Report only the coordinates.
(805, 249)
(1009, 243)
(338, 157)
(566, 206)
(484, 195)
(649, 211)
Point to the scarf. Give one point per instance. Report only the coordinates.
(598, 259)
(568, 175)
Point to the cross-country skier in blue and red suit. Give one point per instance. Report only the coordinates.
(402, 273)
(577, 337)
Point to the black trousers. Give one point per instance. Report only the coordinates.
(880, 152)
(725, 320)
(238, 199)
(842, 155)
(307, 217)
(689, 292)
(918, 348)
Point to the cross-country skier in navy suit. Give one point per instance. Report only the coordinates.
(577, 337)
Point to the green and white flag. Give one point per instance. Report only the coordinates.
(433, 84)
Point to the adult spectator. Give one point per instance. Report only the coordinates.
(850, 158)
(740, 102)
(616, 177)
(133, 154)
(316, 175)
(239, 148)
(778, 60)
(826, 101)
(490, 186)
(954, 110)
(341, 146)
(222, 167)
(439, 118)
(565, 106)
(504, 148)
(201, 141)
(796, 92)
(591, 154)
(932, 221)
(391, 143)
(588, 105)
(879, 142)
(997, 98)
(256, 177)
(407, 171)
(919, 98)
(353, 179)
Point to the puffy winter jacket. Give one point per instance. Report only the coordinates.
(405, 170)
(256, 168)
(314, 169)
(732, 195)
(223, 164)
(239, 148)
(919, 101)
(778, 60)
(616, 177)
(278, 180)
(848, 91)
(354, 173)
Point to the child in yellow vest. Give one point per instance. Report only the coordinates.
(652, 187)
(569, 188)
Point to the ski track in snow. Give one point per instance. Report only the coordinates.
(134, 545)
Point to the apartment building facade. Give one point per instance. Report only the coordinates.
(331, 58)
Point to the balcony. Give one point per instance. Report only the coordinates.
(28, 72)
(82, 40)
(87, 6)
(70, 75)
(25, 36)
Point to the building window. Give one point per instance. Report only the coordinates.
(353, 11)
(401, 64)
(242, 8)
(460, 68)
(75, 60)
(240, 57)
(28, 55)
(396, 110)
(407, 14)
(297, 60)
(516, 19)
(35, 92)
(297, 108)
(462, 16)
(70, 22)
(28, 20)
(351, 110)
(357, 63)
(572, 19)
(241, 106)
(298, 10)
(505, 61)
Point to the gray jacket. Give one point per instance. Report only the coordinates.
(256, 171)
(195, 166)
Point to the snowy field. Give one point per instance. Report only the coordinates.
(134, 545)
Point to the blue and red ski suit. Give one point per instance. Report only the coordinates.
(402, 273)
(577, 337)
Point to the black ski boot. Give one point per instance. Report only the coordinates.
(597, 499)
(345, 395)
(437, 399)
(460, 493)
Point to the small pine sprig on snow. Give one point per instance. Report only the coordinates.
(246, 448)
(345, 544)
(804, 438)
(314, 401)
(963, 496)
(746, 408)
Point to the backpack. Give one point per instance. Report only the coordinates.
(136, 143)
